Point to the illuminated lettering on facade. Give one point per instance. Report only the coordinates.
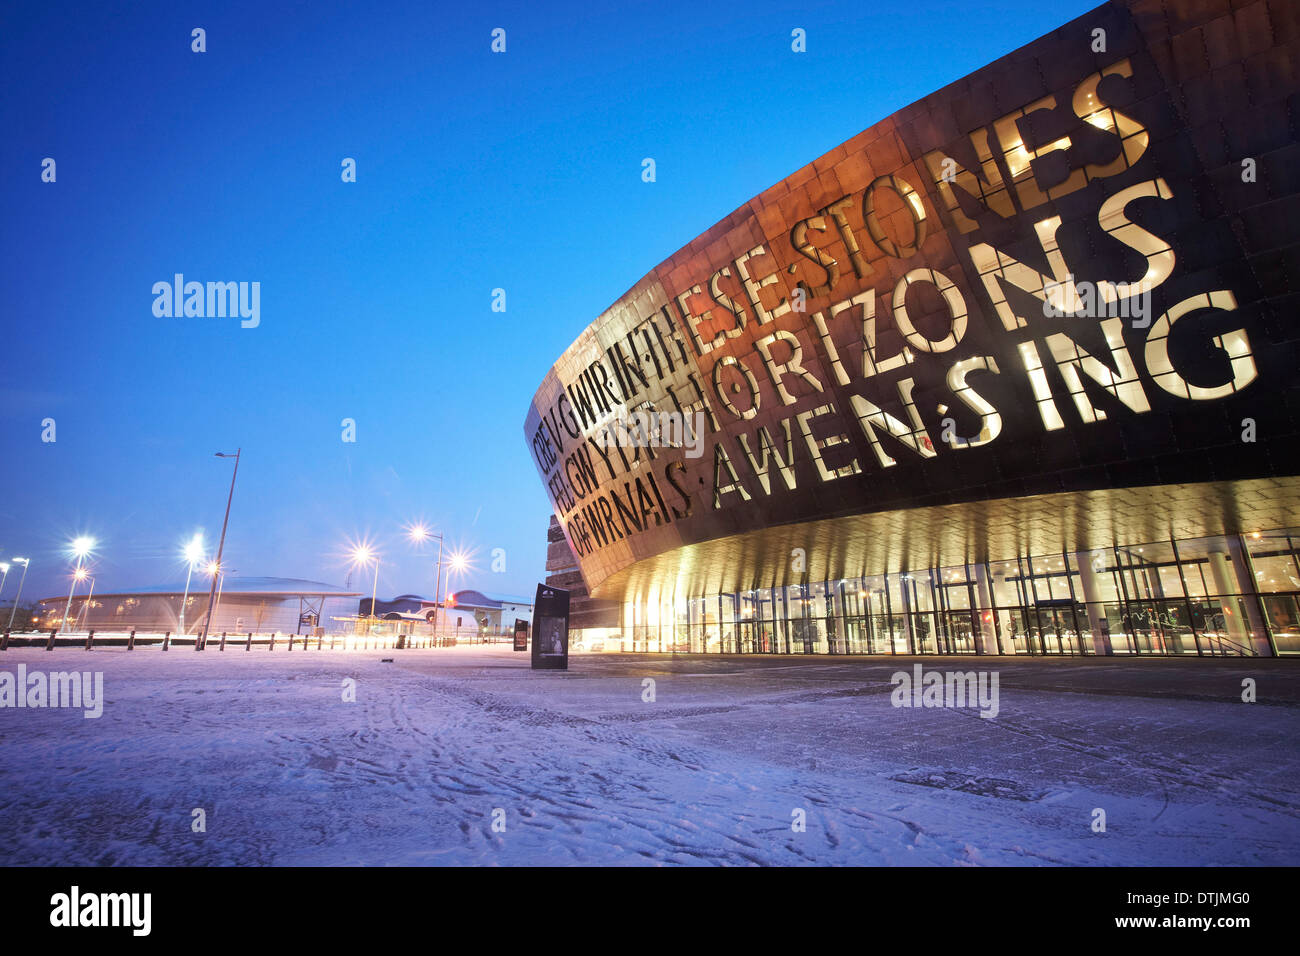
(897, 326)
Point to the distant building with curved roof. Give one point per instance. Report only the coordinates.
(467, 610)
(243, 604)
(490, 613)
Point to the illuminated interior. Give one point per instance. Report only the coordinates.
(1188, 597)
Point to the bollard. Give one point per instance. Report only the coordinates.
(49, 645)
(273, 636)
(331, 642)
(167, 640)
(4, 642)
(320, 642)
(223, 641)
(248, 645)
(290, 642)
(90, 639)
(130, 640)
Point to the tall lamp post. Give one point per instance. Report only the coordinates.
(77, 575)
(220, 574)
(193, 551)
(362, 555)
(419, 534)
(24, 562)
(221, 546)
(80, 548)
(457, 564)
(87, 604)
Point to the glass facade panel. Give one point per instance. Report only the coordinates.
(1209, 597)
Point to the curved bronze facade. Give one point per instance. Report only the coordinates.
(1045, 309)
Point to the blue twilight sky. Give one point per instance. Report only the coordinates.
(474, 171)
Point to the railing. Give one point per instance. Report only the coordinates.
(225, 640)
(1236, 650)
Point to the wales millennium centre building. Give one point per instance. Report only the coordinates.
(1011, 372)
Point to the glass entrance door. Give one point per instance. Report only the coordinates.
(1054, 629)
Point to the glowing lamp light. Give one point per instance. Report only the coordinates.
(451, 600)
(82, 546)
(418, 533)
(194, 550)
(213, 567)
(80, 574)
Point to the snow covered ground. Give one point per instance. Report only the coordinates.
(584, 771)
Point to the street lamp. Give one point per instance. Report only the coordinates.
(221, 546)
(89, 602)
(419, 534)
(4, 566)
(24, 562)
(363, 555)
(80, 547)
(193, 552)
(458, 562)
(218, 573)
(78, 575)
